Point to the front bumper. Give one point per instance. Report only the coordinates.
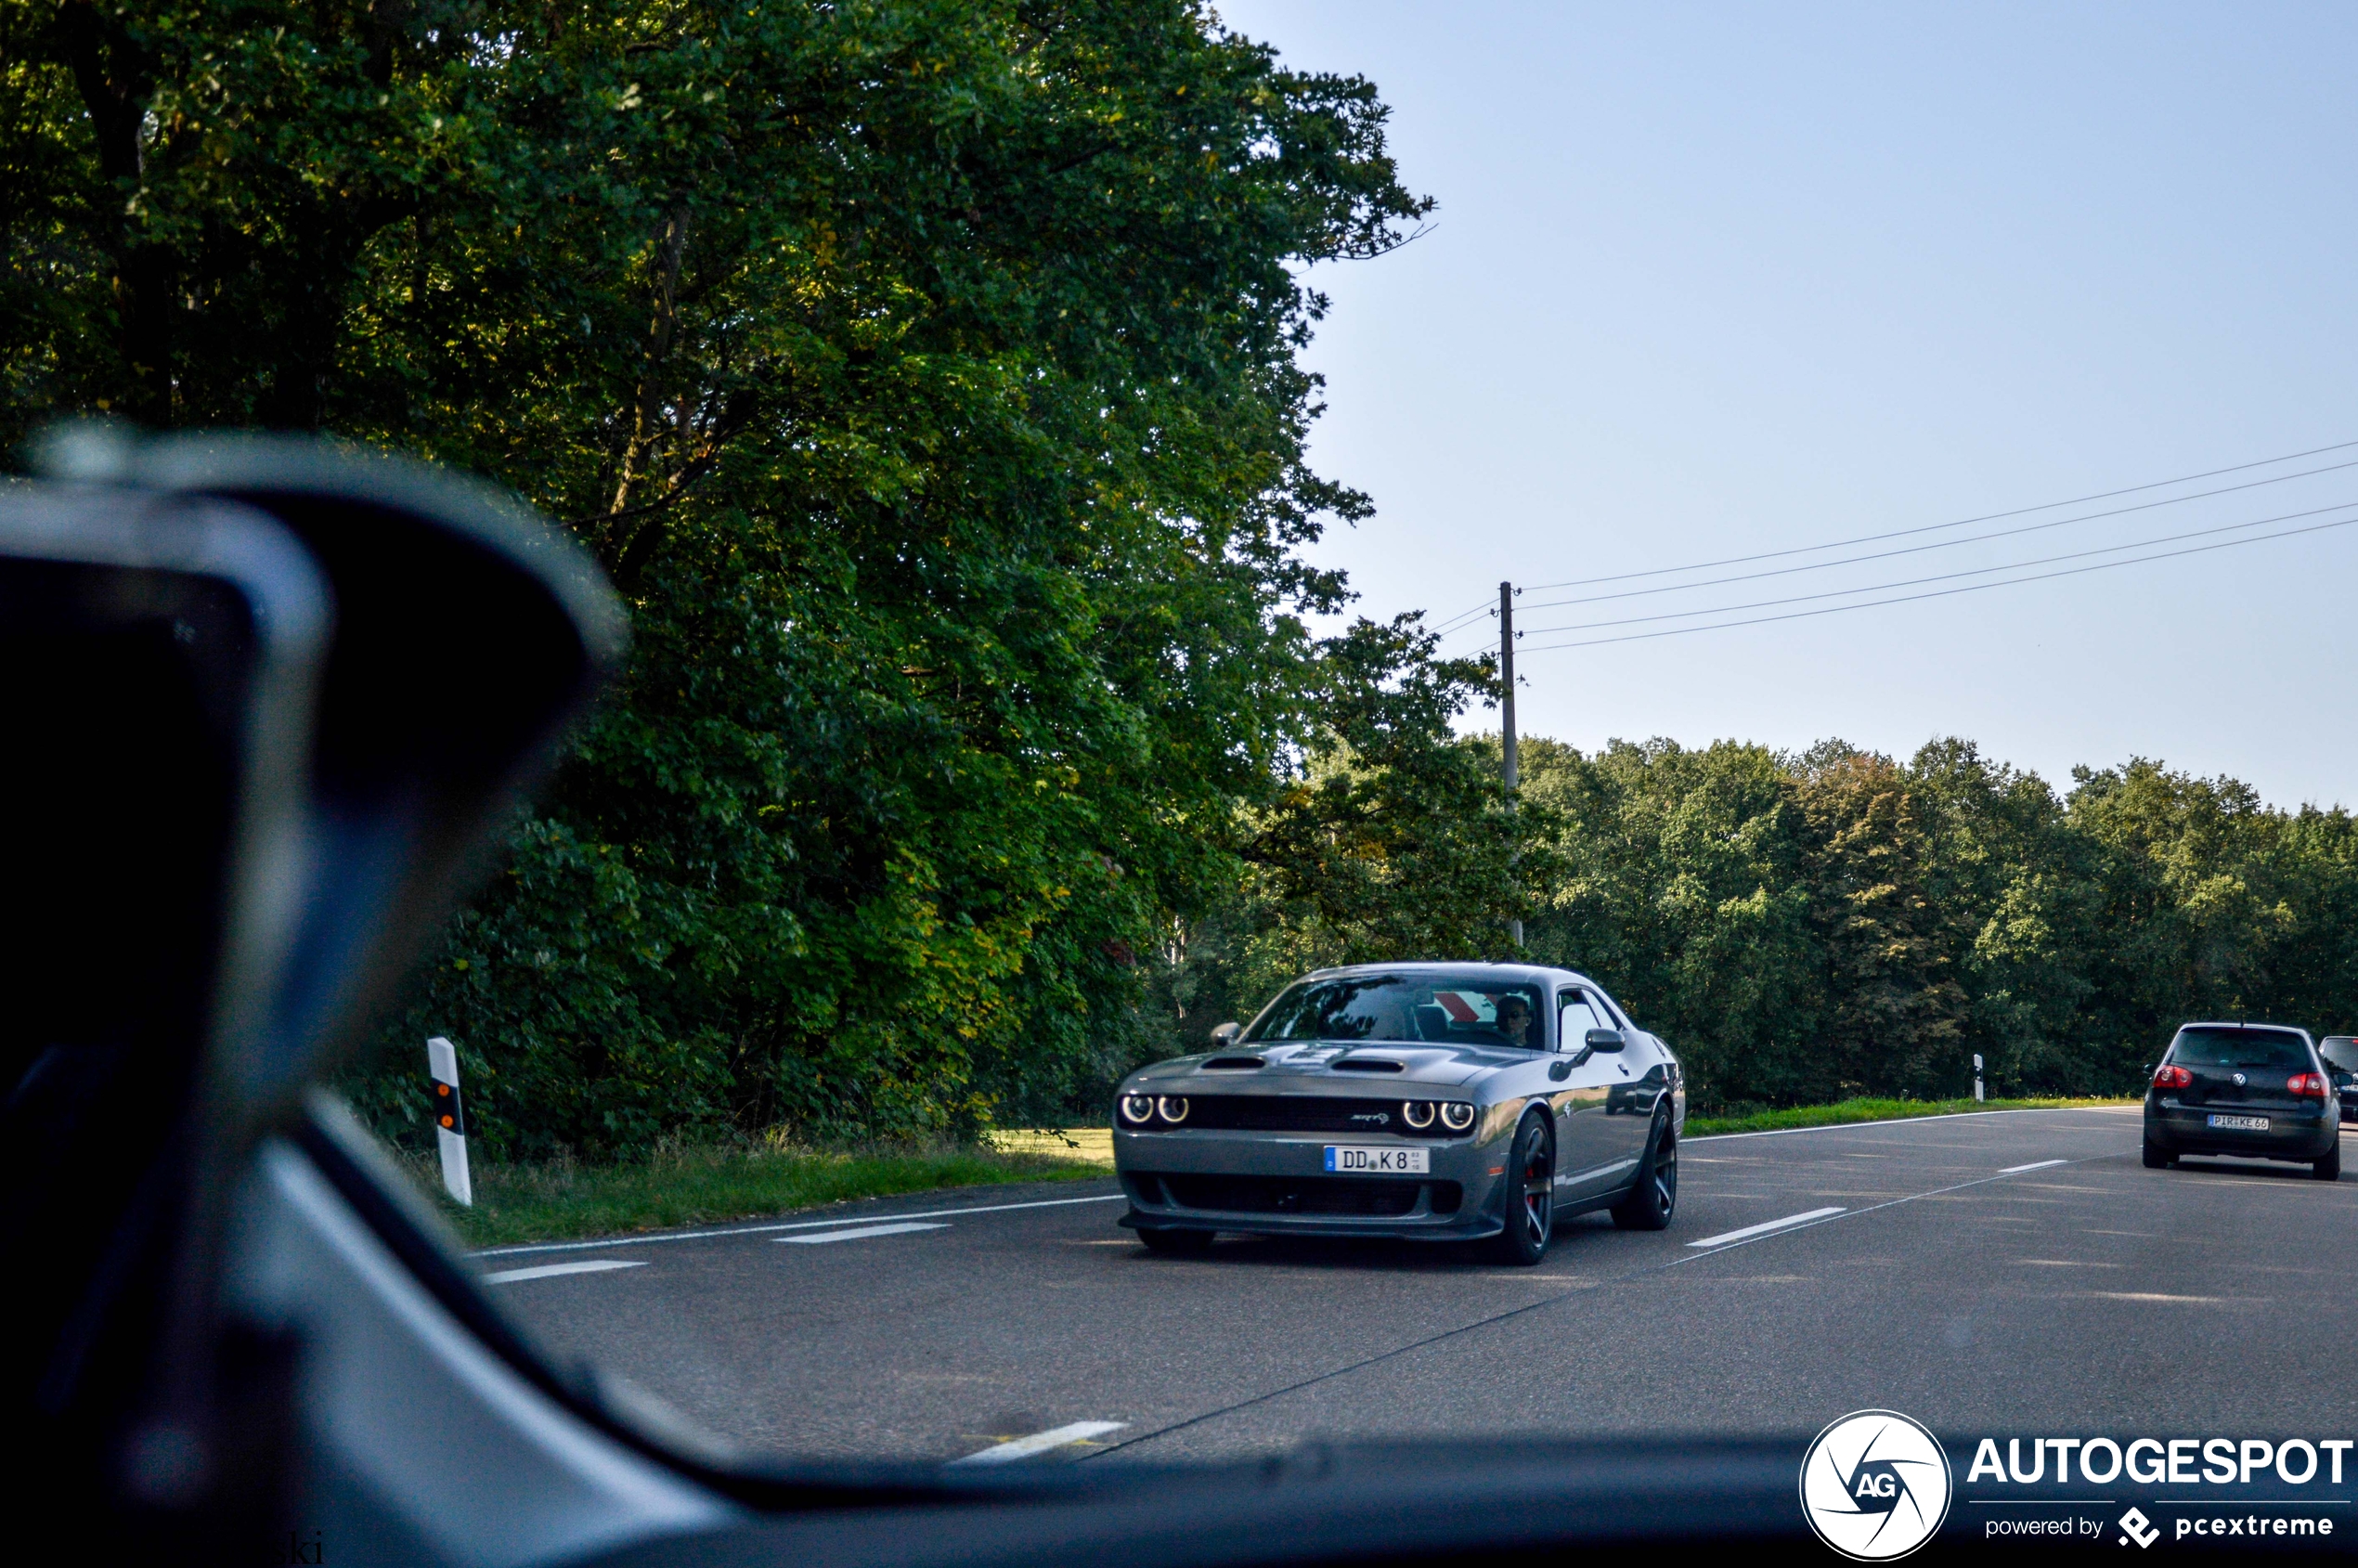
(2307, 1133)
(1276, 1183)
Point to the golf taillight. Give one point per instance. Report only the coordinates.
(2308, 1085)
(2173, 1077)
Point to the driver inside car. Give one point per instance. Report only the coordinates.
(1513, 1019)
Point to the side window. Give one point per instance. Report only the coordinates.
(1576, 1015)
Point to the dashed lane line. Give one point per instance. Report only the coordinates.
(859, 1233)
(550, 1271)
(1765, 1227)
(1041, 1443)
(836, 1223)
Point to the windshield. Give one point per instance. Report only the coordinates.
(2340, 1051)
(1441, 1009)
(2269, 1048)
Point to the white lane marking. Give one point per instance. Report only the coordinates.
(797, 1225)
(1903, 1120)
(1040, 1443)
(2034, 1166)
(854, 1234)
(1765, 1227)
(549, 1271)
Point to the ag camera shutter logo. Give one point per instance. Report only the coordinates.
(1875, 1486)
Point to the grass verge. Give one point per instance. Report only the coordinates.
(570, 1200)
(1874, 1110)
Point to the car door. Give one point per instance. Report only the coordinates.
(1637, 1078)
(1587, 1156)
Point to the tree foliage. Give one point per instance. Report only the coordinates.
(1811, 928)
(924, 373)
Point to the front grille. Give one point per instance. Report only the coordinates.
(1302, 1113)
(1298, 1194)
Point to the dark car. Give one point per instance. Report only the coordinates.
(2259, 1091)
(2341, 1054)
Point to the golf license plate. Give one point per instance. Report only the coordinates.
(2241, 1123)
(1358, 1161)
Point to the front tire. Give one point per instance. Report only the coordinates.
(2329, 1168)
(2160, 1159)
(1655, 1197)
(1177, 1243)
(1531, 1196)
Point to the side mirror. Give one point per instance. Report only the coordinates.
(1605, 1039)
(1226, 1034)
(269, 704)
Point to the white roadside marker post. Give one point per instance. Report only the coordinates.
(450, 1120)
(1977, 1079)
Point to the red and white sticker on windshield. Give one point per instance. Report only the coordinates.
(1463, 1008)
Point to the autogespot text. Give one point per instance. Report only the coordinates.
(2157, 1461)
(2261, 1486)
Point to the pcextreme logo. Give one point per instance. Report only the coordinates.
(1875, 1486)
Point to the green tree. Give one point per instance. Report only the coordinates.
(1685, 893)
(1895, 1018)
(1809, 926)
(1395, 839)
(924, 372)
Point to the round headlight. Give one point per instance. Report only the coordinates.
(1457, 1115)
(1173, 1108)
(1417, 1113)
(1137, 1109)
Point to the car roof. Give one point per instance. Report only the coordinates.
(2243, 1023)
(1534, 973)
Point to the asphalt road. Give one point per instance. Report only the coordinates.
(2018, 1270)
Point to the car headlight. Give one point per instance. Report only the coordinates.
(1457, 1115)
(1172, 1109)
(1137, 1109)
(1417, 1113)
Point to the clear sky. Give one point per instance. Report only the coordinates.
(1712, 280)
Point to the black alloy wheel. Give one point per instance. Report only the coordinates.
(2158, 1158)
(2329, 1168)
(1177, 1243)
(1655, 1197)
(1531, 1196)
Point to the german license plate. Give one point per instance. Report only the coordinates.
(1358, 1161)
(2241, 1123)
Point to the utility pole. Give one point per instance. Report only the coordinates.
(1507, 711)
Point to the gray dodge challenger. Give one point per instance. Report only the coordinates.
(1432, 1102)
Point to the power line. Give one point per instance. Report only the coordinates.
(1961, 523)
(1457, 621)
(1948, 577)
(1936, 593)
(1943, 544)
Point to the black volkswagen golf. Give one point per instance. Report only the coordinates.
(2254, 1090)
